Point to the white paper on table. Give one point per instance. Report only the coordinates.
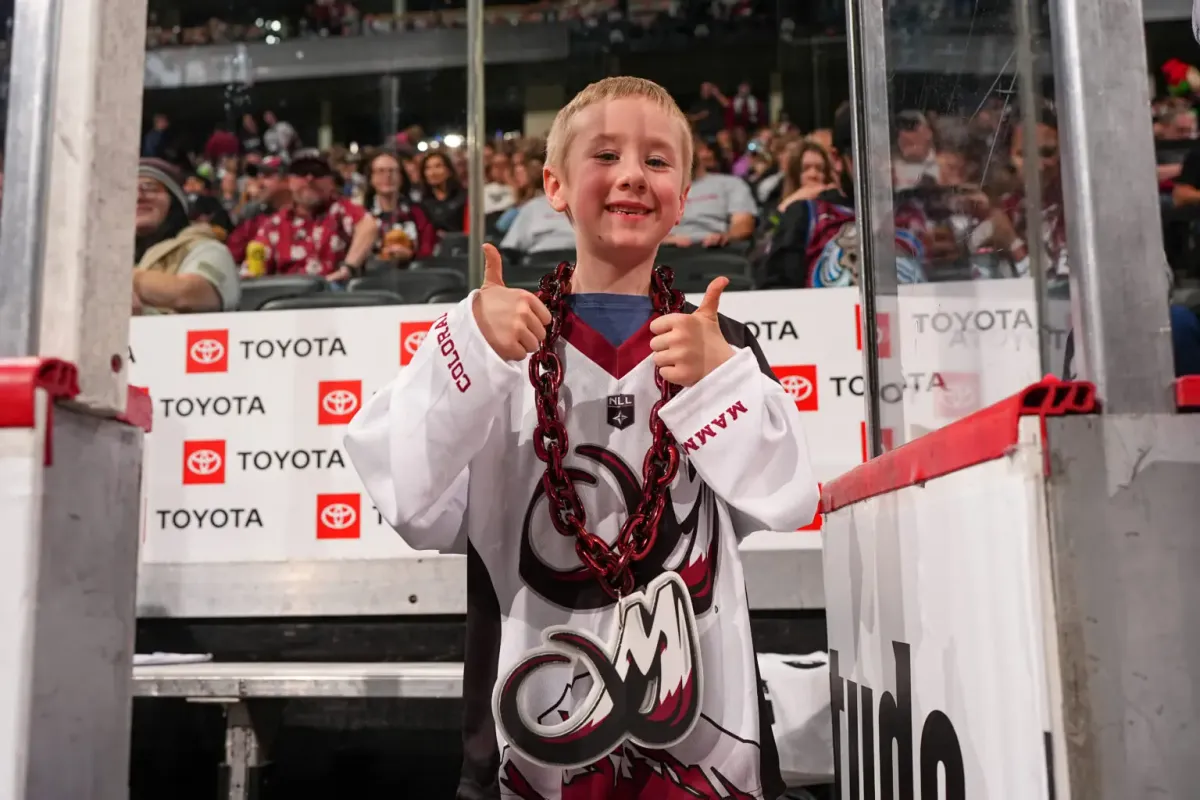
(160, 659)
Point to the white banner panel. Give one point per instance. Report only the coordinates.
(934, 607)
(245, 462)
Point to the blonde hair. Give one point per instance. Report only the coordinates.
(616, 88)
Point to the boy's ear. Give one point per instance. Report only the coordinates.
(683, 196)
(554, 189)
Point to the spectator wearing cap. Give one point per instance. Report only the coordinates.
(405, 233)
(266, 192)
(720, 208)
(180, 267)
(317, 233)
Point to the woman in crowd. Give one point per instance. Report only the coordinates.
(527, 184)
(181, 267)
(808, 172)
(405, 232)
(498, 194)
(442, 195)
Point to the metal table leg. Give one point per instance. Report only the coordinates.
(249, 732)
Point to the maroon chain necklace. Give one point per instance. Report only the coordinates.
(612, 566)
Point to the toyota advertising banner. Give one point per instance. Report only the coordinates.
(245, 460)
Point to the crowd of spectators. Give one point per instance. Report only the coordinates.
(615, 21)
(771, 205)
(326, 18)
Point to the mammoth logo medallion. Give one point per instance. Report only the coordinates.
(646, 682)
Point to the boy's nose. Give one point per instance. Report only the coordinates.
(633, 178)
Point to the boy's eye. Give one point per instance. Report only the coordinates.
(606, 156)
(655, 161)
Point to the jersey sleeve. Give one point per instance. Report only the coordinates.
(413, 442)
(744, 435)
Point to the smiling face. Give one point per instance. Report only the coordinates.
(622, 178)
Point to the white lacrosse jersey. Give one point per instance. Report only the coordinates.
(567, 693)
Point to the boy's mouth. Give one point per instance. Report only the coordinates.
(628, 209)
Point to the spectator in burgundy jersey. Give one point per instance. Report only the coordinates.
(442, 194)
(221, 143)
(405, 233)
(317, 233)
(744, 110)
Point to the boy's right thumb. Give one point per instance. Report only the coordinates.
(493, 266)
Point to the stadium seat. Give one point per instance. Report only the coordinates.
(547, 259)
(415, 285)
(453, 245)
(697, 282)
(335, 300)
(457, 263)
(448, 296)
(714, 260)
(258, 291)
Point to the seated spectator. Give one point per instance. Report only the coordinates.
(405, 233)
(354, 183)
(280, 138)
(915, 157)
(410, 162)
(266, 192)
(720, 208)
(1185, 191)
(317, 233)
(808, 173)
(527, 184)
(180, 267)
(537, 227)
(498, 193)
(816, 242)
(442, 194)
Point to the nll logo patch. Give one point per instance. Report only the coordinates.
(620, 411)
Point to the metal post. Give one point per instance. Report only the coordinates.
(1028, 82)
(69, 567)
(91, 185)
(389, 100)
(866, 40)
(23, 219)
(476, 134)
(1119, 274)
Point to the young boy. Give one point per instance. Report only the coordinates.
(598, 450)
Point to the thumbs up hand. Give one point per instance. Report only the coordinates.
(513, 321)
(689, 346)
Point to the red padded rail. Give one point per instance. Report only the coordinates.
(20, 378)
(1187, 393)
(988, 434)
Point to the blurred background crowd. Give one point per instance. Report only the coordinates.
(358, 181)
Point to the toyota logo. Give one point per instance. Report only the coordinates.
(203, 462)
(207, 351)
(340, 402)
(960, 398)
(799, 387)
(413, 341)
(338, 516)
